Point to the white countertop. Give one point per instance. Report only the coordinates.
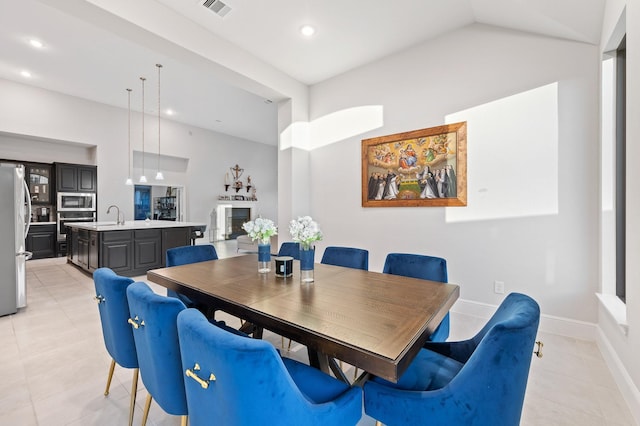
(132, 225)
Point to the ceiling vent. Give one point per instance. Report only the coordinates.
(218, 7)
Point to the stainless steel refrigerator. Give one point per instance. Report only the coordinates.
(15, 219)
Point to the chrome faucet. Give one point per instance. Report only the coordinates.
(119, 221)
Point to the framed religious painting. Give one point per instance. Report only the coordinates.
(420, 168)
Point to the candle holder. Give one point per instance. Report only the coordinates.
(236, 174)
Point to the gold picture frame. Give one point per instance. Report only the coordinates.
(420, 168)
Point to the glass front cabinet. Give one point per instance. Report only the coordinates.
(39, 178)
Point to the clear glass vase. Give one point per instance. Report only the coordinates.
(307, 257)
(264, 258)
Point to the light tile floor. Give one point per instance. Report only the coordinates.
(53, 364)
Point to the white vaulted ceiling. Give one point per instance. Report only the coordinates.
(96, 49)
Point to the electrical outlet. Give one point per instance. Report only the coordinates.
(498, 287)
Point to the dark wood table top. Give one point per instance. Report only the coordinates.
(377, 322)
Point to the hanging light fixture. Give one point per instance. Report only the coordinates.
(129, 180)
(159, 175)
(143, 178)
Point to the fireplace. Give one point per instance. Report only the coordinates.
(239, 215)
(227, 219)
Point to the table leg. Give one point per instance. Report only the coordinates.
(314, 359)
(325, 364)
(250, 328)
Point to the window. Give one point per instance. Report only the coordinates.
(620, 166)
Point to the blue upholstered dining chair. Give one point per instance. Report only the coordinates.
(348, 257)
(193, 254)
(237, 381)
(290, 249)
(423, 267)
(153, 320)
(111, 295)
(190, 254)
(480, 381)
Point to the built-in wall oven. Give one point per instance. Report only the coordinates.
(76, 201)
(73, 207)
(67, 217)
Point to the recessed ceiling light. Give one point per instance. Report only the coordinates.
(307, 30)
(36, 43)
(169, 112)
(25, 74)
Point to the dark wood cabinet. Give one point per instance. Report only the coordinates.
(76, 178)
(128, 252)
(87, 179)
(72, 246)
(148, 249)
(39, 179)
(174, 237)
(82, 256)
(94, 251)
(66, 178)
(116, 251)
(41, 241)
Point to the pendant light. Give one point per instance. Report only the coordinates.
(143, 178)
(159, 175)
(129, 180)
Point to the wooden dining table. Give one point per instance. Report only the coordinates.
(374, 321)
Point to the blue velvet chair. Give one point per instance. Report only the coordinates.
(290, 249)
(480, 381)
(190, 254)
(153, 320)
(234, 381)
(111, 295)
(193, 254)
(423, 267)
(348, 257)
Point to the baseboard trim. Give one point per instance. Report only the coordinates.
(628, 389)
(548, 323)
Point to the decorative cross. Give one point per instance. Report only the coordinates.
(237, 172)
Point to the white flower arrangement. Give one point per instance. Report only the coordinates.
(260, 229)
(305, 231)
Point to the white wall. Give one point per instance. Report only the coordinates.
(620, 350)
(44, 151)
(632, 348)
(197, 158)
(552, 256)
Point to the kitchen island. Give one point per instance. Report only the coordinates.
(129, 249)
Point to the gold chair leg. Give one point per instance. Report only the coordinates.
(282, 343)
(183, 421)
(378, 423)
(110, 376)
(134, 390)
(147, 405)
